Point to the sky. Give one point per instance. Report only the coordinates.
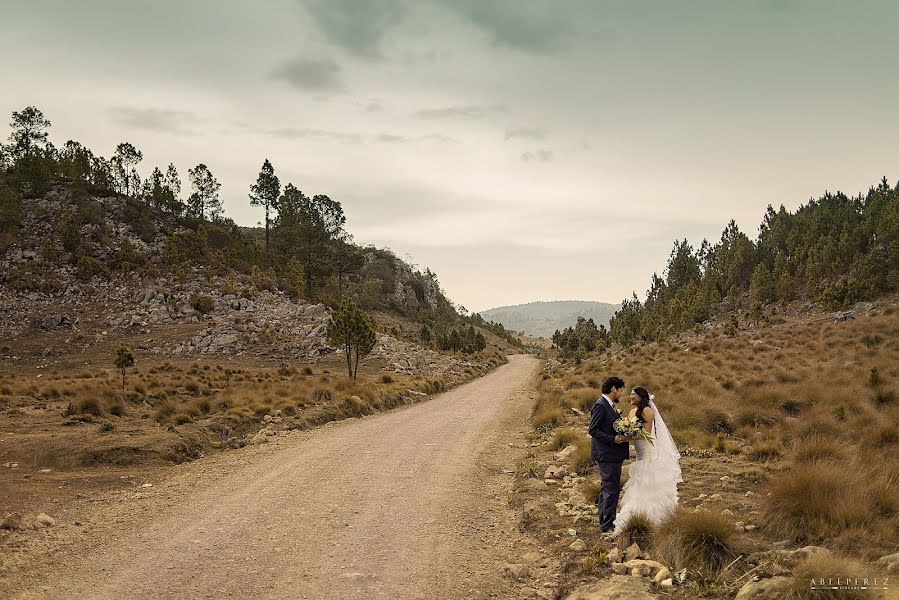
(521, 149)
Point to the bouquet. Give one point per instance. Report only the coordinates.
(632, 427)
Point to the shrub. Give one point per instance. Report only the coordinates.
(201, 303)
(547, 418)
(827, 566)
(322, 395)
(564, 437)
(165, 409)
(715, 420)
(765, 450)
(85, 406)
(702, 540)
(580, 460)
(815, 449)
(812, 502)
(88, 266)
(638, 529)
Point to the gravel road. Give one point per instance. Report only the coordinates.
(407, 504)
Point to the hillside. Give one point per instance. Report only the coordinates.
(542, 319)
(771, 439)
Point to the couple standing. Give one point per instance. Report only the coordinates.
(651, 487)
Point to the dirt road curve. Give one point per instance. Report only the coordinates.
(407, 504)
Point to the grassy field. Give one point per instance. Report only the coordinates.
(793, 424)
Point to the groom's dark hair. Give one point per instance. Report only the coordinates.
(612, 382)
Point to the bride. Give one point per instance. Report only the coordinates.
(651, 488)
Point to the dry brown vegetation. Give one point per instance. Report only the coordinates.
(173, 412)
(794, 422)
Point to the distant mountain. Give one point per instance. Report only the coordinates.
(542, 319)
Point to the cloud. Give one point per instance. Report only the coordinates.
(153, 119)
(462, 112)
(541, 155)
(310, 74)
(534, 27)
(358, 26)
(526, 133)
(352, 137)
(298, 133)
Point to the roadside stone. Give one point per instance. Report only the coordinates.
(13, 522)
(515, 570)
(555, 472)
(45, 520)
(616, 587)
(578, 546)
(763, 588)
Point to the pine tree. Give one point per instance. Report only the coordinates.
(29, 132)
(205, 196)
(352, 330)
(126, 157)
(265, 192)
(123, 360)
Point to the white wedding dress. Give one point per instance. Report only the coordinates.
(651, 487)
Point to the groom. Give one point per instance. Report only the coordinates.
(608, 450)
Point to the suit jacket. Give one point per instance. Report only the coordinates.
(603, 447)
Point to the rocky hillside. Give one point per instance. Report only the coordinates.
(542, 319)
(125, 282)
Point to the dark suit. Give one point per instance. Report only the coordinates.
(608, 456)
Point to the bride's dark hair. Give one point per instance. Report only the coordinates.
(643, 393)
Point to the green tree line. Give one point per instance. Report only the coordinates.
(836, 249)
(306, 249)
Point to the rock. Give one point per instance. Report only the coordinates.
(555, 472)
(578, 546)
(739, 525)
(762, 589)
(633, 552)
(565, 452)
(45, 520)
(667, 582)
(55, 322)
(891, 562)
(620, 568)
(614, 555)
(727, 512)
(530, 558)
(808, 552)
(13, 522)
(645, 567)
(715, 497)
(616, 587)
(147, 485)
(267, 418)
(515, 570)
(725, 478)
(662, 575)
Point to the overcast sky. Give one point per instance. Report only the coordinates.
(522, 149)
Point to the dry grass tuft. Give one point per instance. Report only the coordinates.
(638, 529)
(703, 540)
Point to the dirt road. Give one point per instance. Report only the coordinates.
(406, 504)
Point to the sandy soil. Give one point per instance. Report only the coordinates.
(408, 504)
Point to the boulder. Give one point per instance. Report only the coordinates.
(578, 546)
(616, 587)
(515, 571)
(614, 555)
(13, 522)
(663, 574)
(633, 552)
(763, 588)
(45, 520)
(645, 567)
